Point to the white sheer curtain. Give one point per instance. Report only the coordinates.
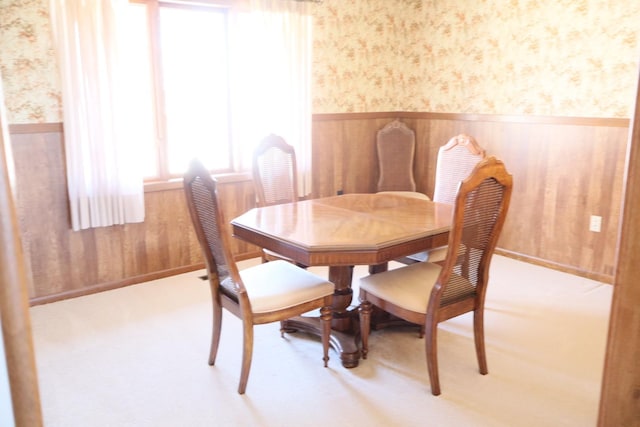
(104, 181)
(270, 74)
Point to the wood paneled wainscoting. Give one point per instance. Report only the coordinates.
(565, 169)
(64, 263)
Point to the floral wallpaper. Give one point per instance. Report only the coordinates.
(27, 63)
(523, 57)
(529, 57)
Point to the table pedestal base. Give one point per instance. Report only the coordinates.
(345, 344)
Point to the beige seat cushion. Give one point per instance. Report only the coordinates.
(414, 194)
(279, 284)
(407, 287)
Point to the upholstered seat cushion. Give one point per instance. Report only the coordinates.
(413, 194)
(279, 284)
(407, 287)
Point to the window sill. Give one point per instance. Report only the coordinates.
(176, 183)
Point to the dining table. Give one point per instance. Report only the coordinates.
(341, 232)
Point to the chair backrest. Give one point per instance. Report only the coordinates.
(480, 210)
(275, 172)
(395, 144)
(456, 160)
(214, 237)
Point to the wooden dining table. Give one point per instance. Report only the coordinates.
(341, 232)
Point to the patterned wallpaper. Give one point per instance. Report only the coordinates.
(27, 63)
(529, 57)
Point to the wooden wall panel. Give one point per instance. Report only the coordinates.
(564, 170)
(238, 197)
(65, 263)
(344, 152)
(327, 159)
(562, 175)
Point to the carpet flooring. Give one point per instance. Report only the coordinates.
(137, 356)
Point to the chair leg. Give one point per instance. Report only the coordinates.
(216, 330)
(325, 317)
(365, 326)
(247, 354)
(431, 344)
(478, 335)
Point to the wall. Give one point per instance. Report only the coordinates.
(65, 263)
(523, 57)
(564, 169)
(515, 74)
(28, 64)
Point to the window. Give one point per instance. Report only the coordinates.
(148, 84)
(179, 60)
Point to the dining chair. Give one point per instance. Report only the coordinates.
(456, 159)
(275, 179)
(426, 293)
(275, 172)
(395, 145)
(265, 293)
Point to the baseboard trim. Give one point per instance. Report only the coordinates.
(114, 285)
(604, 278)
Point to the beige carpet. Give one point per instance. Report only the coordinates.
(137, 356)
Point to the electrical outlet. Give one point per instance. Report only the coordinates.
(595, 224)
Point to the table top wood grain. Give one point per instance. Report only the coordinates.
(349, 229)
